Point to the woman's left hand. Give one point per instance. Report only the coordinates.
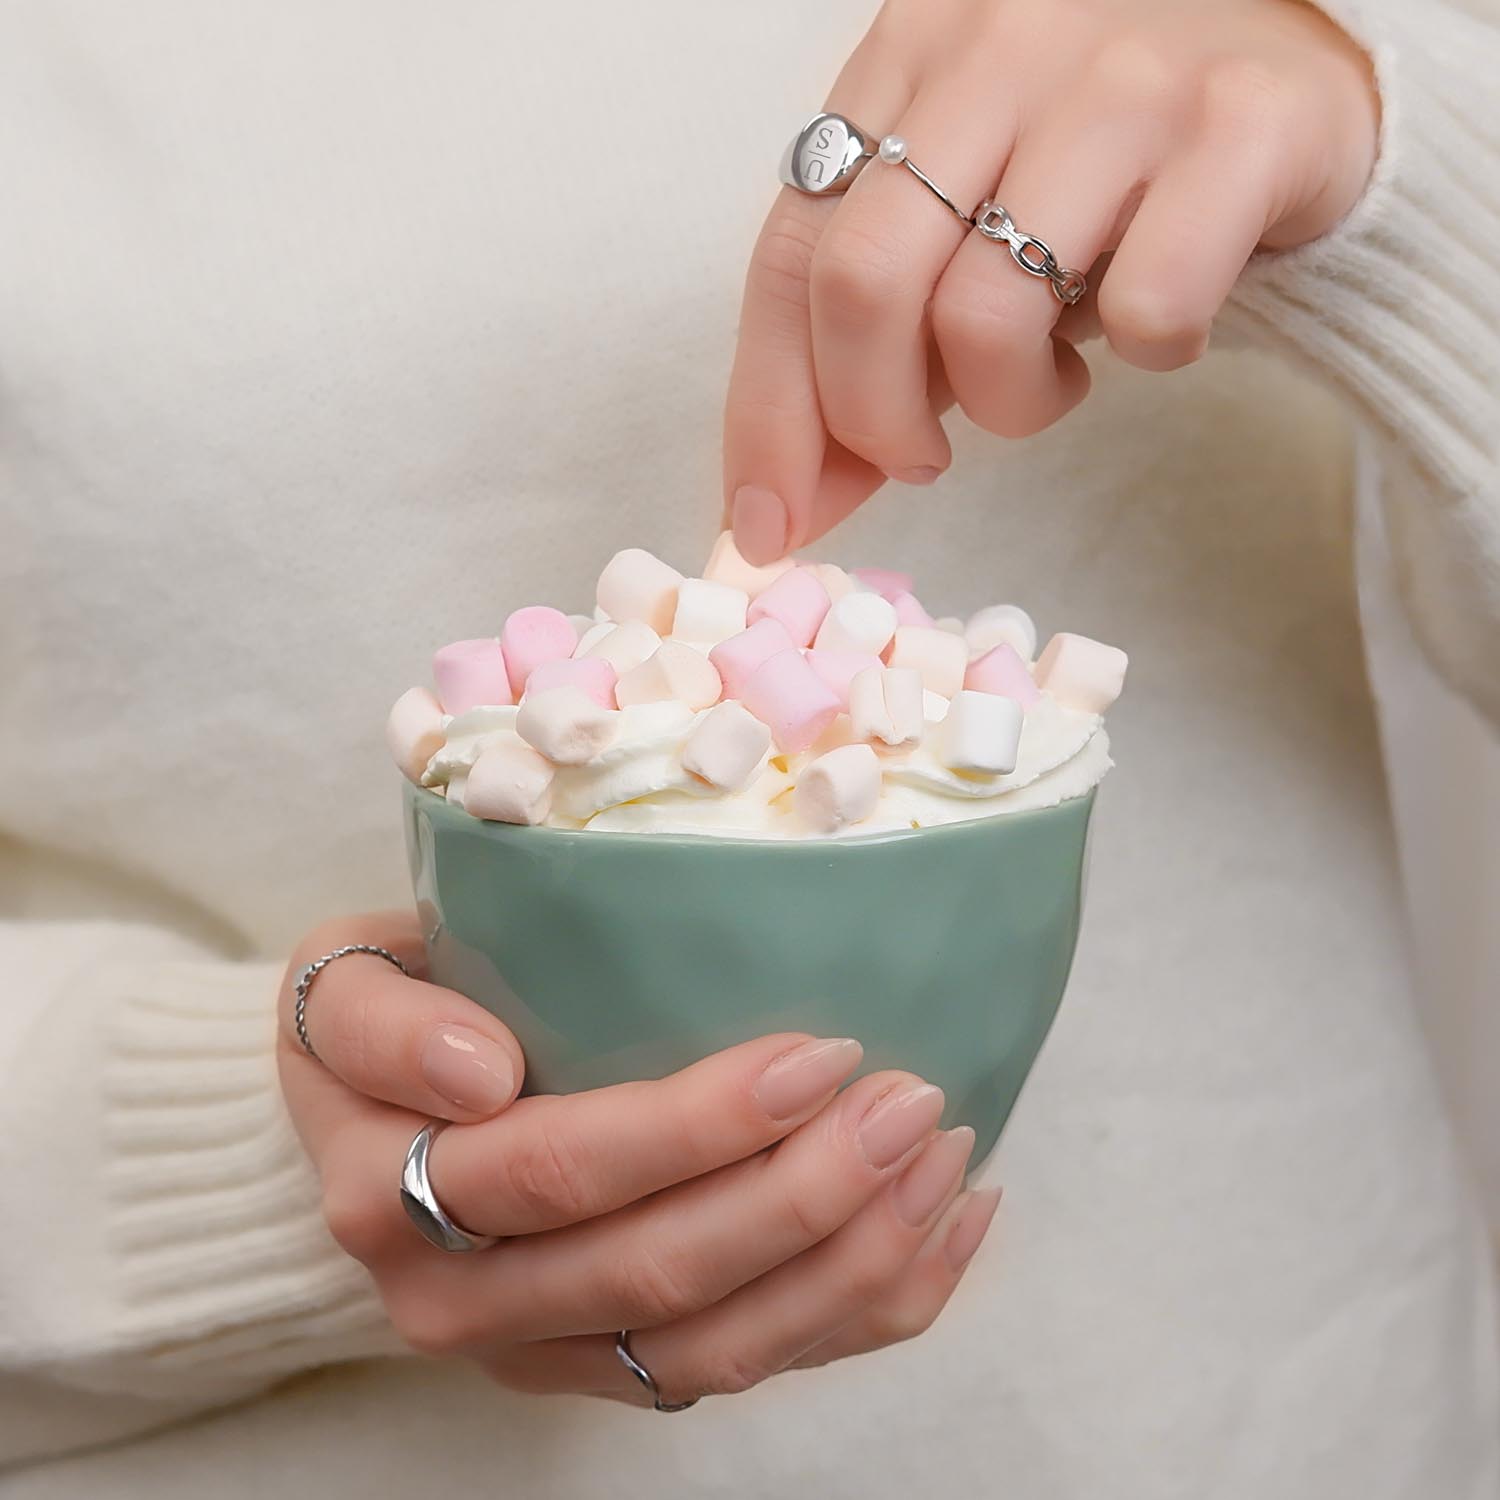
(1154, 145)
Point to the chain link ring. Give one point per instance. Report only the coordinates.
(1034, 256)
(308, 972)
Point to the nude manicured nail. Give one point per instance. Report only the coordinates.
(969, 1225)
(468, 1069)
(920, 1190)
(897, 1121)
(760, 524)
(923, 474)
(799, 1078)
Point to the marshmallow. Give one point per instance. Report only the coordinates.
(466, 737)
(709, 612)
(531, 636)
(509, 783)
(883, 581)
(592, 675)
(798, 600)
(625, 646)
(909, 611)
(837, 789)
(580, 624)
(837, 669)
(725, 565)
(981, 733)
(566, 725)
(454, 790)
(885, 703)
(635, 585)
(414, 731)
(951, 623)
(468, 673)
(787, 694)
(1081, 673)
(588, 639)
(1003, 672)
(1001, 622)
(672, 671)
(834, 579)
(738, 658)
(858, 622)
(940, 658)
(934, 707)
(727, 746)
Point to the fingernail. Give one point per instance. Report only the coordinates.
(920, 1190)
(897, 1121)
(468, 1069)
(969, 1226)
(760, 524)
(924, 474)
(804, 1075)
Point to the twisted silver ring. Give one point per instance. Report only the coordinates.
(641, 1373)
(826, 155)
(1034, 256)
(893, 152)
(308, 972)
(422, 1206)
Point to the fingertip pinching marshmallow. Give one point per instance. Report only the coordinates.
(509, 783)
(566, 725)
(886, 704)
(981, 734)
(940, 657)
(1081, 673)
(709, 612)
(726, 746)
(838, 789)
(787, 694)
(725, 565)
(414, 731)
(674, 670)
(636, 585)
(532, 636)
(798, 600)
(1003, 672)
(471, 673)
(858, 622)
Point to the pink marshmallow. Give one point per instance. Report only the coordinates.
(470, 674)
(909, 611)
(884, 581)
(798, 600)
(738, 658)
(1003, 673)
(838, 669)
(592, 674)
(532, 636)
(788, 695)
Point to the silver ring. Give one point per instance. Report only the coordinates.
(641, 1373)
(892, 151)
(826, 155)
(1034, 256)
(421, 1204)
(308, 972)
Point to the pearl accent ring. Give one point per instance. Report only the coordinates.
(892, 152)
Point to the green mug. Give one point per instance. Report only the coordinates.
(616, 956)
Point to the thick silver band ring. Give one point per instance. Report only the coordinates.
(641, 1373)
(421, 1204)
(1034, 256)
(826, 155)
(892, 151)
(308, 972)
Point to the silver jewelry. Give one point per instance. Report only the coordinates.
(308, 972)
(826, 155)
(893, 153)
(421, 1204)
(641, 1373)
(1034, 256)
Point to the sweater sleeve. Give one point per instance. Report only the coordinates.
(1399, 307)
(164, 1248)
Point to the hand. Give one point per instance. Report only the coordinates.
(1154, 144)
(742, 1213)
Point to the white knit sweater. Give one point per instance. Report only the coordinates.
(324, 338)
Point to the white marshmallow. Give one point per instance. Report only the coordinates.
(709, 612)
(885, 703)
(725, 565)
(625, 646)
(1081, 673)
(982, 734)
(727, 746)
(414, 731)
(673, 670)
(589, 638)
(1007, 623)
(566, 725)
(858, 622)
(951, 623)
(833, 578)
(934, 707)
(509, 783)
(636, 585)
(941, 658)
(839, 788)
(581, 624)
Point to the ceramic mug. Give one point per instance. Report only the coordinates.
(616, 956)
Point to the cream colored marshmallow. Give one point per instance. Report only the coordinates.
(858, 622)
(833, 578)
(1081, 673)
(509, 783)
(566, 725)
(941, 658)
(624, 646)
(838, 789)
(709, 612)
(998, 623)
(885, 704)
(981, 734)
(637, 585)
(727, 746)
(674, 670)
(414, 731)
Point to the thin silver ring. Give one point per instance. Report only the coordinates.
(308, 972)
(422, 1206)
(892, 151)
(641, 1373)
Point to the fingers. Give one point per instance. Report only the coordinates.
(394, 1038)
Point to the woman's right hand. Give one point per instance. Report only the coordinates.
(740, 1217)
